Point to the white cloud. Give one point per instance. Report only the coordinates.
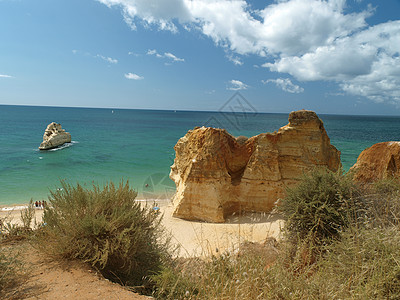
(173, 57)
(167, 55)
(133, 76)
(235, 59)
(290, 27)
(152, 12)
(308, 39)
(285, 84)
(364, 64)
(107, 59)
(151, 52)
(236, 85)
(133, 53)
(5, 76)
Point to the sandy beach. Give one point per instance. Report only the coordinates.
(195, 238)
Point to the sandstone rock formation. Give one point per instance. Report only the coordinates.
(380, 161)
(217, 174)
(54, 136)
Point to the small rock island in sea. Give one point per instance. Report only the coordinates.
(54, 136)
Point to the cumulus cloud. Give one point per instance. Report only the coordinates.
(107, 59)
(285, 84)
(235, 59)
(133, 53)
(166, 55)
(152, 12)
(133, 76)
(172, 57)
(5, 76)
(364, 64)
(308, 39)
(236, 85)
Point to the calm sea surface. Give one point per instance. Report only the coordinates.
(137, 145)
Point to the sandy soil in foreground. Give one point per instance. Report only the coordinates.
(199, 238)
(48, 279)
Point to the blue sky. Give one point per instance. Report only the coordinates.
(333, 56)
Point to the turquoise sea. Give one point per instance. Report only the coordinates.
(137, 145)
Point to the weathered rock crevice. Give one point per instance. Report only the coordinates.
(236, 176)
(217, 174)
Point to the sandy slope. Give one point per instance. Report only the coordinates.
(54, 280)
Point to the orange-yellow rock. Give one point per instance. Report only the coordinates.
(377, 162)
(217, 174)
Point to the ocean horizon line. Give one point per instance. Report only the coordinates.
(201, 111)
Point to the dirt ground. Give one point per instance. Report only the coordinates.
(53, 280)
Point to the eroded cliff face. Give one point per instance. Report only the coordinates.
(380, 161)
(217, 174)
(54, 136)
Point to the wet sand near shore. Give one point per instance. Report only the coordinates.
(195, 238)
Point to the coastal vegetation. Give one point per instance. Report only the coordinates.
(107, 228)
(341, 241)
(12, 268)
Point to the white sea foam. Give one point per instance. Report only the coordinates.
(66, 145)
(11, 208)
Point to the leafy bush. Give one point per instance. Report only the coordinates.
(320, 206)
(106, 228)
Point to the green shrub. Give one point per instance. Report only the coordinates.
(106, 228)
(320, 206)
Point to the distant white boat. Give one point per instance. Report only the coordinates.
(112, 111)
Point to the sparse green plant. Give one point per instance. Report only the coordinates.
(363, 264)
(384, 203)
(320, 206)
(10, 270)
(231, 275)
(28, 216)
(11, 231)
(107, 228)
